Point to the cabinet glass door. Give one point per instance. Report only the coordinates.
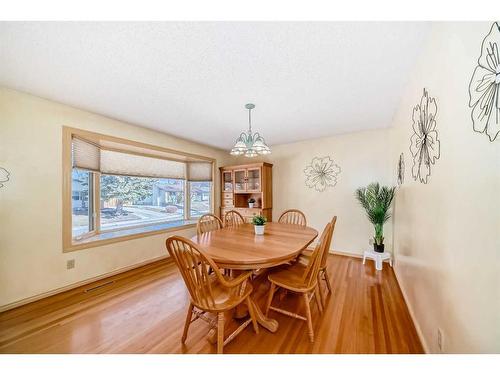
(227, 181)
(253, 180)
(239, 180)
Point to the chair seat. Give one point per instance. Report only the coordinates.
(291, 277)
(305, 256)
(308, 251)
(223, 299)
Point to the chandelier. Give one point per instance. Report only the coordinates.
(250, 144)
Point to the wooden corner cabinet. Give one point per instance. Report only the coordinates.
(239, 183)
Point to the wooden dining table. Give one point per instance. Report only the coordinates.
(239, 249)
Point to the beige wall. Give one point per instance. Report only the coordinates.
(447, 233)
(31, 257)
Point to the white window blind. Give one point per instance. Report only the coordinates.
(85, 155)
(113, 162)
(89, 156)
(199, 171)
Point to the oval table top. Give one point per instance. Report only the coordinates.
(240, 248)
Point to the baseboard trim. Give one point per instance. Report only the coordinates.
(412, 314)
(337, 252)
(52, 292)
(346, 254)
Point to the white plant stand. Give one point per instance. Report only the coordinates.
(379, 258)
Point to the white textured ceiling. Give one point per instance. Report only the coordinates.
(192, 79)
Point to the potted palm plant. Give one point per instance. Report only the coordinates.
(259, 224)
(251, 202)
(376, 201)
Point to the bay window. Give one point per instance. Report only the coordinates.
(81, 202)
(120, 189)
(134, 201)
(200, 197)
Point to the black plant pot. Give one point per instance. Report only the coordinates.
(378, 248)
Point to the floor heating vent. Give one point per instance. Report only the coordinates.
(99, 286)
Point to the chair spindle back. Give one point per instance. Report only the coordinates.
(324, 257)
(194, 266)
(208, 223)
(311, 272)
(233, 218)
(293, 216)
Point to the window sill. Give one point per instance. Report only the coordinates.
(126, 234)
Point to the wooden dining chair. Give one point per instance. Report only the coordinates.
(233, 218)
(208, 223)
(209, 292)
(302, 279)
(293, 216)
(323, 271)
(305, 258)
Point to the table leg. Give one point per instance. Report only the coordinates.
(269, 324)
(241, 311)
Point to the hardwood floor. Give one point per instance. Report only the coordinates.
(143, 311)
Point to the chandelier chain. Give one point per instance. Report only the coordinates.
(250, 120)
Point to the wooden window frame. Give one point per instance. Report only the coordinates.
(69, 243)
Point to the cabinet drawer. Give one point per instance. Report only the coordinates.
(249, 211)
(227, 196)
(227, 202)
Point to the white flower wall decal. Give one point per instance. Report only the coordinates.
(424, 142)
(4, 176)
(484, 87)
(321, 173)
